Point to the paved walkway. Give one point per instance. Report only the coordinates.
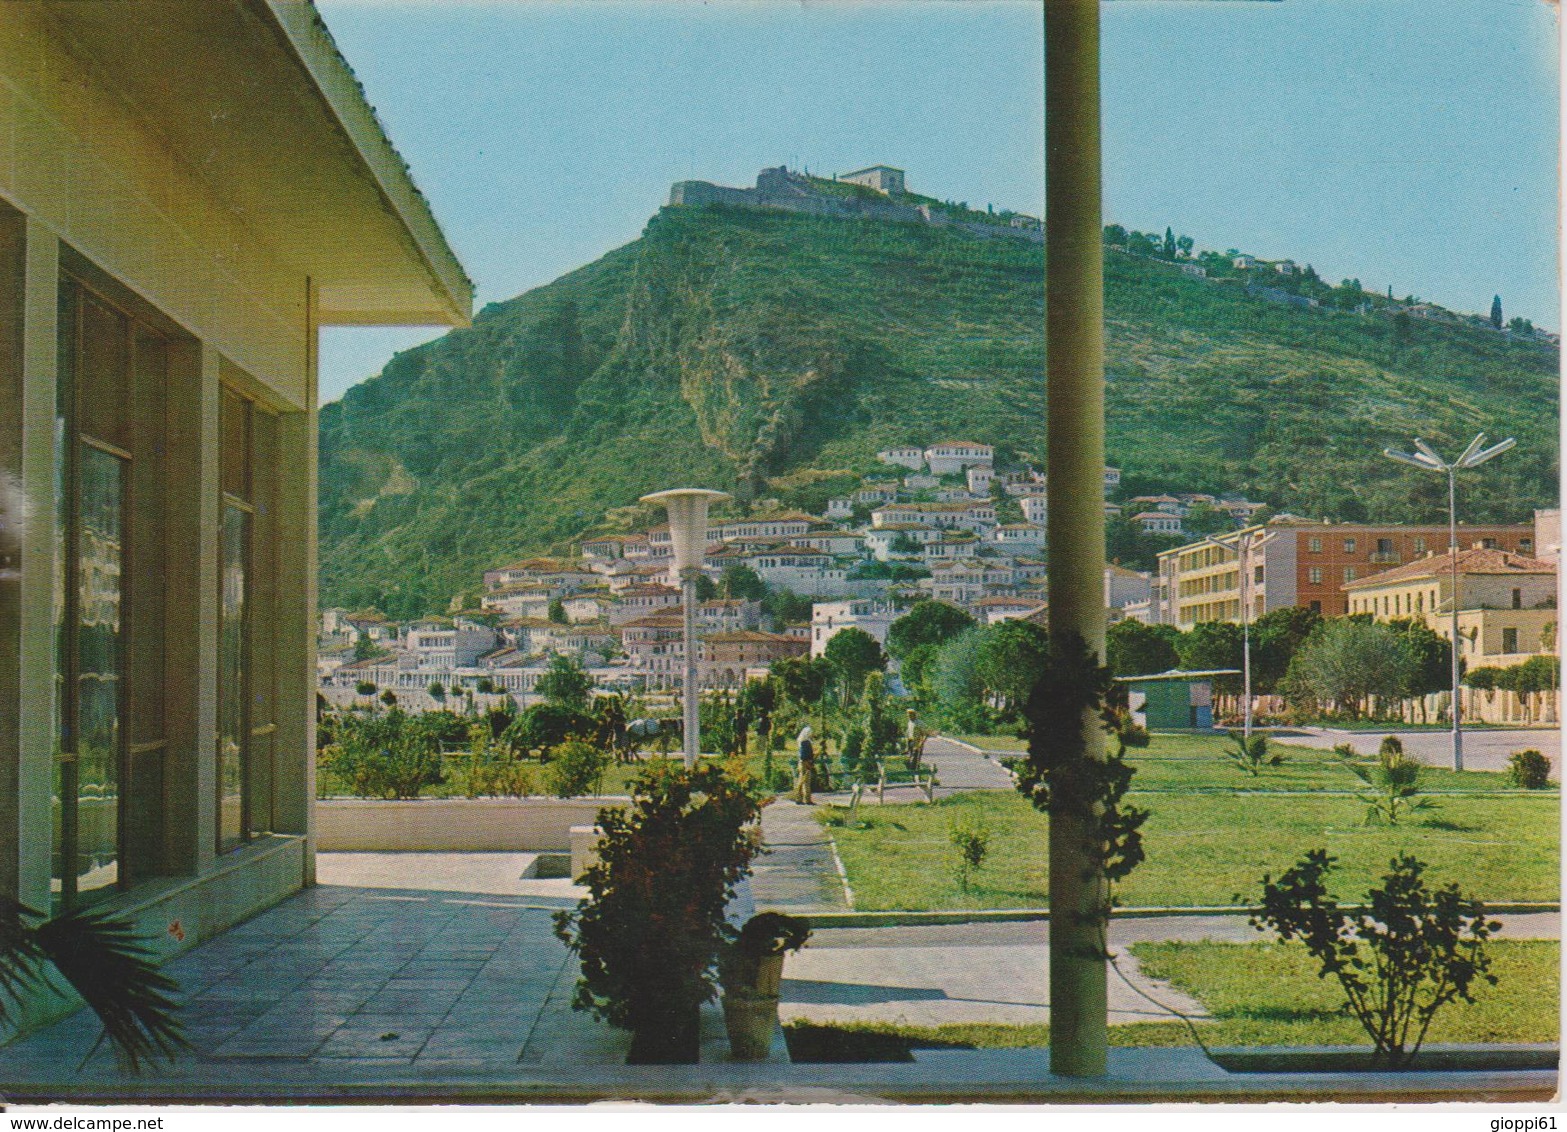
(798, 873)
(959, 767)
(338, 973)
(1486, 749)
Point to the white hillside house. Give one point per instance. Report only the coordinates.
(953, 456)
(829, 618)
(905, 457)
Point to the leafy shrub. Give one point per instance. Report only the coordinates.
(495, 770)
(575, 768)
(971, 843)
(1529, 769)
(1394, 782)
(364, 688)
(649, 931)
(445, 726)
(545, 725)
(1412, 951)
(383, 756)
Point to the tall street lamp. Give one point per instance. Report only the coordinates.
(1243, 546)
(687, 507)
(1426, 459)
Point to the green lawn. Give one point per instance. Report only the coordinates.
(1196, 763)
(1202, 849)
(1267, 994)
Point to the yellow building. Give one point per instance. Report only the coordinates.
(189, 190)
(1506, 611)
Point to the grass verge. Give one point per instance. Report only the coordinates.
(1259, 994)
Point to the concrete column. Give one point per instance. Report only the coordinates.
(1074, 342)
(690, 693)
(294, 777)
(27, 859)
(191, 648)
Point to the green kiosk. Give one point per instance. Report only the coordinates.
(1174, 700)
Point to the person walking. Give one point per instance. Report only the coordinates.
(805, 772)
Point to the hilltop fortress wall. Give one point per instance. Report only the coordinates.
(779, 188)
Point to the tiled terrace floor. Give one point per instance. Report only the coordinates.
(344, 975)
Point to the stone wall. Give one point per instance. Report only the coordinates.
(778, 188)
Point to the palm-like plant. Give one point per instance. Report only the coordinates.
(1395, 784)
(1251, 752)
(105, 962)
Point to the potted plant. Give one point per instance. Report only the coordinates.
(651, 927)
(750, 967)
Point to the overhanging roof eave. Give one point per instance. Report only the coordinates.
(310, 43)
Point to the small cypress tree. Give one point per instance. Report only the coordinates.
(1496, 311)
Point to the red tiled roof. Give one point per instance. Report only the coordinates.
(1503, 562)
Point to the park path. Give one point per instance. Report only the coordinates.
(961, 767)
(798, 872)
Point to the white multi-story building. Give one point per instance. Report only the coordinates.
(899, 540)
(1158, 523)
(979, 478)
(953, 456)
(639, 601)
(950, 548)
(1125, 588)
(800, 569)
(977, 515)
(834, 542)
(1036, 509)
(1019, 536)
(437, 645)
(786, 525)
(829, 618)
(527, 600)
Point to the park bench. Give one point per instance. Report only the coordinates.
(898, 770)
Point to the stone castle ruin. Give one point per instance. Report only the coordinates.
(782, 188)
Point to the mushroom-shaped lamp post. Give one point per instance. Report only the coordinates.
(687, 507)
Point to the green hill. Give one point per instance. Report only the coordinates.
(738, 349)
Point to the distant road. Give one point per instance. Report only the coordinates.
(1483, 750)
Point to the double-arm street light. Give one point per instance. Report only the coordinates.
(1243, 546)
(1426, 459)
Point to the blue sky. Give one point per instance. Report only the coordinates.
(1403, 142)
